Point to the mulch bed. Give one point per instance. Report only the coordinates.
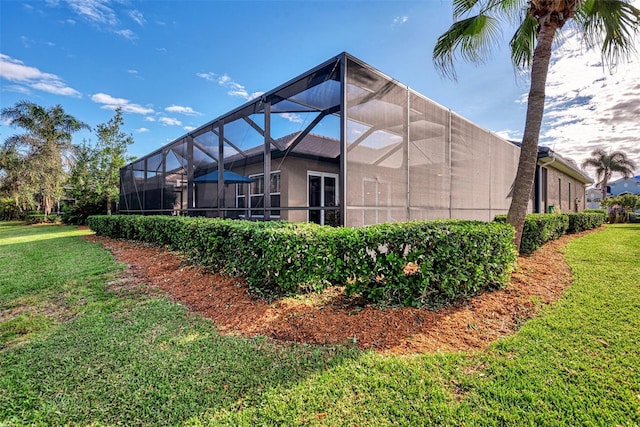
(333, 318)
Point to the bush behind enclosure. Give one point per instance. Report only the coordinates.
(420, 263)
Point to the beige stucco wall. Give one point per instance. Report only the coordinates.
(293, 181)
(562, 192)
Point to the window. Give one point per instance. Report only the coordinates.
(256, 195)
(241, 196)
(275, 193)
(559, 193)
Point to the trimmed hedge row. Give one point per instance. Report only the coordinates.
(423, 263)
(541, 228)
(581, 221)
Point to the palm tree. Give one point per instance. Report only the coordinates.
(44, 145)
(606, 164)
(609, 24)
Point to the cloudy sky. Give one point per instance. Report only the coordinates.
(173, 66)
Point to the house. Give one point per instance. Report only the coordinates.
(624, 186)
(559, 184)
(594, 197)
(341, 144)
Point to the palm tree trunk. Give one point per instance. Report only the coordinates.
(605, 182)
(529, 152)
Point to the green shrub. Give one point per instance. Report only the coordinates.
(414, 263)
(539, 229)
(77, 214)
(8, 210)
(581, 221)
(428, 262)
(40, 218)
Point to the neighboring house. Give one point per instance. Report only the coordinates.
(624, 186)
(342, 144)
(594, 197)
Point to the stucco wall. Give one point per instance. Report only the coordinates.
(294, 183)
(562, 192)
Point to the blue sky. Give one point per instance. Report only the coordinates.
(173, 66)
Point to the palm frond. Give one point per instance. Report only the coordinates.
(462, 7)
(471, 39)
(611, 25)
(513, 9)
(523, 42)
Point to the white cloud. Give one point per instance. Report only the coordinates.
(189, 128)
(111, 103)
(149, 119)
(142, 130)
(103, 17)
(399, 20)
(16, 71)
(234, 88)
(587, 107)
(17, 88)
(510, 135)
(207, 76)
(170, 121)
(292, 117)
(94, 11)
(182, 110)
(137, 17)
(127, 34)
(26, 41)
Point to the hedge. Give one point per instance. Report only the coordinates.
(40, 218)
(422, 263)
(541, 228)
(581, 221)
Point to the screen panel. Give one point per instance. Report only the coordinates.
(377, 128)
(429, 173)
(470, 170)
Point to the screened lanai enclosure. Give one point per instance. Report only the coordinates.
(342, 144)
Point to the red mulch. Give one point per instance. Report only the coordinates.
(332, 318)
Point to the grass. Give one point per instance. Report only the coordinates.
(75, 353)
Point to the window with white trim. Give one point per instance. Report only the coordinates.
(256, 195)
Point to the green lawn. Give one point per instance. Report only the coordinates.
(72, 352)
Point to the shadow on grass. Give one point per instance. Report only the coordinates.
(147, 362)
(124, 359)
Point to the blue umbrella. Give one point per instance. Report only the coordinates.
(229, 177)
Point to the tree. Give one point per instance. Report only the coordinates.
(111, 156)
(609, 24)
(16, 180)
(606, 164)
(43, 147)
(95, 176)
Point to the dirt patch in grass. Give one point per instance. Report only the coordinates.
(333, 318)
